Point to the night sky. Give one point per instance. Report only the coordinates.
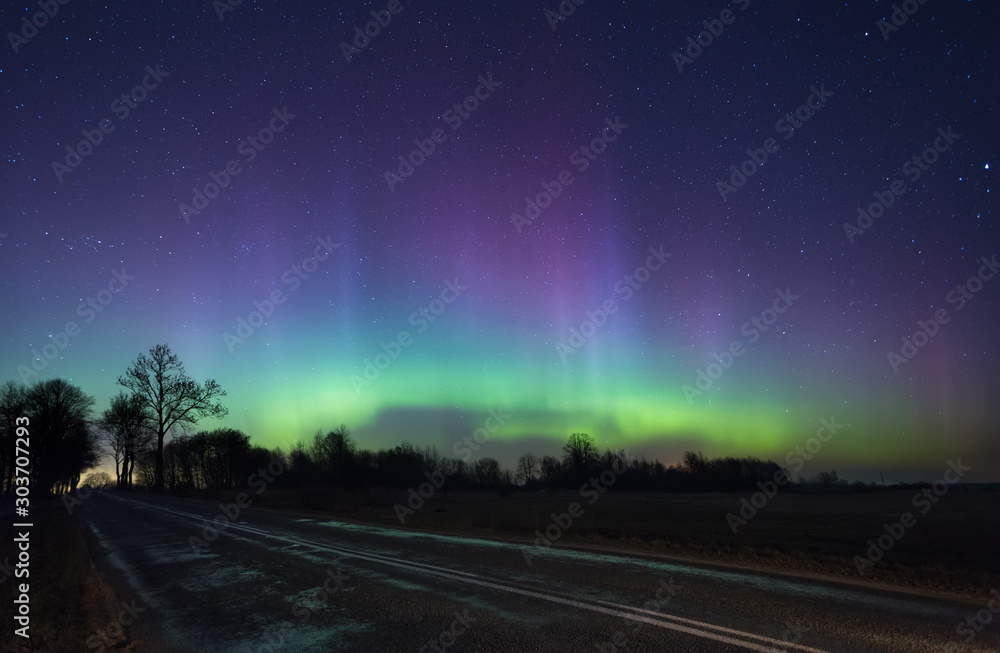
(655, 250)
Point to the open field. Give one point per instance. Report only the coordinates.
(951, 549)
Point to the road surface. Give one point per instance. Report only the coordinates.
(274, 581)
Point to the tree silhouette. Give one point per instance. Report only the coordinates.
(829, 479)
(98, 480)
(127, 427)
(334, 453)
(580, 452)
(488, 471)
(226, 456)
(171, 395)
(13, 399)
(694, 463)
(63, 445)
(551, 470)
(527, 468)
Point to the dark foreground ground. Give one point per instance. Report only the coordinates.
(258, 585)
(75, 597)
(952, 548)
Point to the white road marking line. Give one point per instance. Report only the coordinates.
(763, 638)
(661, 619)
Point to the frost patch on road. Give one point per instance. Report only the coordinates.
(220, 576)
(311, 601)
(165, 554)
(413, 535)
(300, 638)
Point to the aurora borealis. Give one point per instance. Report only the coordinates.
(557, 249)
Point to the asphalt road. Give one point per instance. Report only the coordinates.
(273, 581)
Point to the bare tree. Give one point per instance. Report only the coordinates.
(488, 471)
(695, 463)
(527, 468)
(551, 470)
(171, 395)
(580, 451)
(113, 445)
(334, 452)
(829, 479)
(127, 427)
(146, 460)
(98, 480)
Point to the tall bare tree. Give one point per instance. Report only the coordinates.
(580, 451)
(551, 470)
(127, 427)
(334, 452)
(174, 399)
(488, 471)
(527, 468)
(113, 445)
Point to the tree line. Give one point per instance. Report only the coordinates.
(159, 398)
(225, 458)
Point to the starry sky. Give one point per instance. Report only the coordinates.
(501, 207)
